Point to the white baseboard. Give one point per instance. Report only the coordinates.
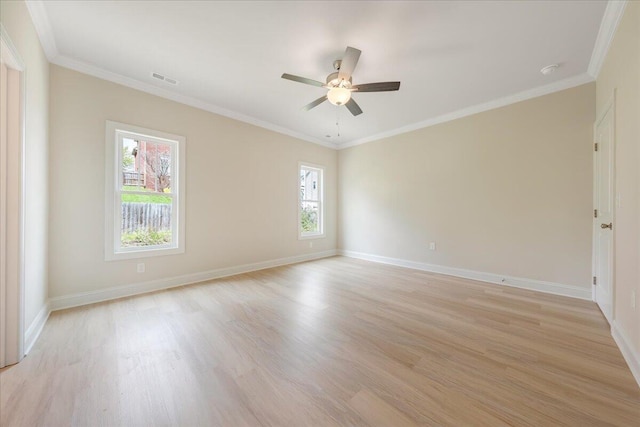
(35, 328)
(630, 355)
(68, 301)
(534, 285)
(84, 298)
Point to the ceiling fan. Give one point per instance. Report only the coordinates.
(340, 84)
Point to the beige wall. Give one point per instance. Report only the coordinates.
(506, 191)
(621, 71)
(17, 22)
(241, 198)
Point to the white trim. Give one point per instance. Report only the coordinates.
(479, 108)
(23, 205)
(42, 24)
(92, 70)
(630, 355)
(308, 236)
(35, 329)
(517, 282)
(83, 298)
(608, 26)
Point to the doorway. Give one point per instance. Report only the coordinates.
(11, 203)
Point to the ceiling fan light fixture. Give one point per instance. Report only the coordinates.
(339, 95)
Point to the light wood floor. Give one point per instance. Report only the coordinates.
(330, 342)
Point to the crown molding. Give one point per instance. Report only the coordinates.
(100, 73)
(103, 74)
(610, 20)
(568, 83)
(8, 51)
(43, 27)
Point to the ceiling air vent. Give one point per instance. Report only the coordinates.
(164, 78)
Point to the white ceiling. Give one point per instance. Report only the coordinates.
(228, 56)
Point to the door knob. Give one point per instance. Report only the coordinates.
(610, 225)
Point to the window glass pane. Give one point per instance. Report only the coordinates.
(309, 218)
(145, 221)
(309, 184)
(132, 178)
(146, 166)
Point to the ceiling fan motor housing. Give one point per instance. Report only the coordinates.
(334, 81)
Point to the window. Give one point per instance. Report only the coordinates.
(310, 214)
(144, 192)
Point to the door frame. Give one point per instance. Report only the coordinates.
(13, 60)
(609, 106)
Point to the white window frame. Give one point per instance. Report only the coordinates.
(318, 234)
(115, 132)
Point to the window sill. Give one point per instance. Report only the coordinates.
(311, 236)
(144, 253)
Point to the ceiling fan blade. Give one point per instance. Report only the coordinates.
(377, 87)
(349, 62)
(302, 80)
(315, 103)
(353, 107)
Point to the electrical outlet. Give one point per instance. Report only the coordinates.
(310, 244)
(140, 267)
(432, 246)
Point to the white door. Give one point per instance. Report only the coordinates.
(603, 212)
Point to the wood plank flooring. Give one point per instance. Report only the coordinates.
(330, 342)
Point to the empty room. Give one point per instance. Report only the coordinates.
(319, 213)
